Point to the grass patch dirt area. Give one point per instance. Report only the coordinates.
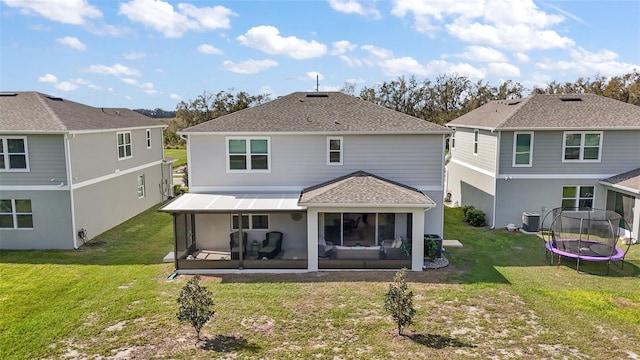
(498, 299)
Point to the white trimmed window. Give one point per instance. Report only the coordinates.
(251, 222)
(124, 145)
(141, 190)
(16, 214)
(577, 196)
(248, 154)
(334, 150)
(476, 134)
(148, 137)
(13, 154)
(522, 149)
(582, 146)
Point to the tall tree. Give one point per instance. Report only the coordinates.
(208, 106)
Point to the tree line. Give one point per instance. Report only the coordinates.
(440, 100)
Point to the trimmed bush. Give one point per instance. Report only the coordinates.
(465, 212)
(476, 217)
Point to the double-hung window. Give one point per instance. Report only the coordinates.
(248, 154)
(522, 149)
(582, 146)
(141, 190)
(13, 154)
(476, 134)
(577, 196)
(16, 214)
(148, 137)
(453, 140)
(124, 145)
(251, 222)
(334, 150)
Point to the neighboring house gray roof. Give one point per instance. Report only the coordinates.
(36, 112)
(629, 181)
(362, 188)
(541, 111)
(317, 112)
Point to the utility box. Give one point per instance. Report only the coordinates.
(530, 222)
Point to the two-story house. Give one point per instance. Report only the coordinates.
(547, 151)
(69, 171)
(339, 181)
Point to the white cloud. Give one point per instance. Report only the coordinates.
(354, 7)
(72, 42)
(66, 86)
(585, 63)
(249, 66)
(483, 54)
(522, 57)
(48, 78)
(74, 12)
(172, 22)
(115, 70)
(134, 55)
(175, 97)
(351, 61)
(268, 40)
(342, 47)
(503, 69)
(513, 25)
(209, 49)
(147, 87)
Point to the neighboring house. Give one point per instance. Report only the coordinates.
(336, 175)
(547, 151)
(65, 167)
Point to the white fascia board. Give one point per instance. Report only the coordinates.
(33, 132)
(115, 174)
(622, 188)
(323, 133)
(370, 206)
(204, 189)
(93, 131)
(592, 128)
(487, 128)
(554, 176)
(474, 168)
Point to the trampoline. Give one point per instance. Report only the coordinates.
(584, 234)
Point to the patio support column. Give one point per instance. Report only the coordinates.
(417, 247)
(312, 239)
(636, 220)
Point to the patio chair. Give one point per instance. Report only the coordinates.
(271, 246)
(326, 250)
(235, 245)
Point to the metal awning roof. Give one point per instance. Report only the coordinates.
(226, 203)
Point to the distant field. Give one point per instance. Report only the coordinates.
(180, 154)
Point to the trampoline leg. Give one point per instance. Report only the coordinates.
(578, 265)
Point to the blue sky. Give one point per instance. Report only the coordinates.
(154, 53)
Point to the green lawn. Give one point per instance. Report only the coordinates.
(498, 298)
(180, 154)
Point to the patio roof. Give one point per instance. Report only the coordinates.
(226, 203)
(628, 181)
(364, 189)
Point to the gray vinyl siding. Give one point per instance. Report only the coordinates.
(434, 218)
(51, 222)
(469, 187)
(487, 147)
(516, 196)
(301, 160)
(96, 154)
(620, 153)
(103, 205)
(46, 162)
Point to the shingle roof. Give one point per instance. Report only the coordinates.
(575, 111)
(629, 180)
(317, 112)
(36, 112)
(362, 188)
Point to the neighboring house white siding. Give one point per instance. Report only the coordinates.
(485, 158)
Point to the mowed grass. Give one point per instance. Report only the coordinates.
(499, 298)
(179, 153)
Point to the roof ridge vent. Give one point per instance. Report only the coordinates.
(55, 98)
(317, 95)
(570, 98)
(8, 94)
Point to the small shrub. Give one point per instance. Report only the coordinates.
(476, 217)
(465, 212)
(195, 305)
(430, 248)
(399, 301)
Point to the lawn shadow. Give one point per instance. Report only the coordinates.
(438, 341)
(223, 343)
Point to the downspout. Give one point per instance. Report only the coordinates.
(495, 180)
(443, 183)
(67, 155)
